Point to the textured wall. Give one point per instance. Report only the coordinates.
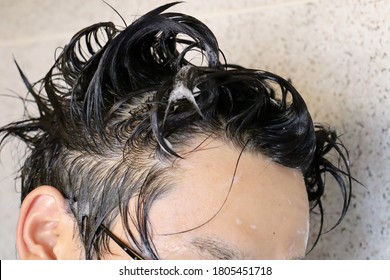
(335, 52)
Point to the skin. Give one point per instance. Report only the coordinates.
(264, 216)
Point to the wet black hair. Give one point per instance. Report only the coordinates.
(119, 103)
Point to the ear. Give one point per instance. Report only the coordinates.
(45, 229)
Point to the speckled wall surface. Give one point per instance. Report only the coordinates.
(335, 52)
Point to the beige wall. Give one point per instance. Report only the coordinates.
(335, 52)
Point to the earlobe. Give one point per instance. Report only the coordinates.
(40, 229)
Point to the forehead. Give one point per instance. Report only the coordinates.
(224, 197)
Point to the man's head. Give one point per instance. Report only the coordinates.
(181, 159)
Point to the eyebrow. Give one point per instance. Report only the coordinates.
(216, 248)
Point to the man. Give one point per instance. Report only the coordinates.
(139, 152)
